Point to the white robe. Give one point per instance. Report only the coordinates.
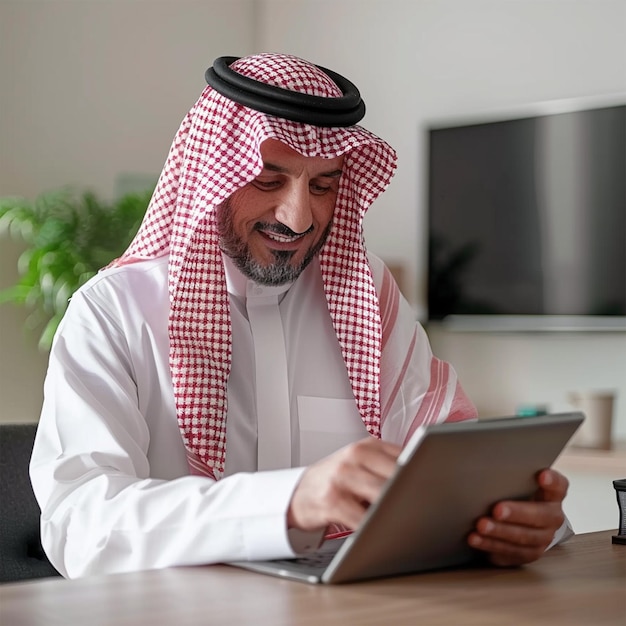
(109, 467)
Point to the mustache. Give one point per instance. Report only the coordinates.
(280, 229)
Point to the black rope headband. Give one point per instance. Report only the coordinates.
(291, 105)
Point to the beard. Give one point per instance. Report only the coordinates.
(282, 269)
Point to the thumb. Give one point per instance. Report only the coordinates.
(552, 486)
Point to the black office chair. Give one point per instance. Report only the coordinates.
(21, 554)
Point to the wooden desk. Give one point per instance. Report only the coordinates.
(580, 582)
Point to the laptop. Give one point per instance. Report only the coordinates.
(447, 476)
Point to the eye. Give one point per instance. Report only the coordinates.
(265, 184)
(318, 189)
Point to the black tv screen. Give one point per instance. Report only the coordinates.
(527, 216)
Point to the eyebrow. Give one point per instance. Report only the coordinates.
(272, 167)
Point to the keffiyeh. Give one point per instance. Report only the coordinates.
(216, 151)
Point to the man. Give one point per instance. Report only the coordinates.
(242, 379)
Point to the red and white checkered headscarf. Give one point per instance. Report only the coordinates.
(216, 152)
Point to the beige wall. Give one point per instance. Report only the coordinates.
(89, 90)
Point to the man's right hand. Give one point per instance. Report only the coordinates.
(339, 488)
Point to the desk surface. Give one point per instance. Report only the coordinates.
(580, 582)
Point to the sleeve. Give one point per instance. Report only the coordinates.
(417, 388)
(102, 511)
(563, 534)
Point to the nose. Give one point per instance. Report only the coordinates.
(293, 208)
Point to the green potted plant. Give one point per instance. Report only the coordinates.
(69, 236)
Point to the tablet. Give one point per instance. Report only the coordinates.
(447, 476)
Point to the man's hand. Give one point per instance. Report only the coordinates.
(339, 488)
(519, 532)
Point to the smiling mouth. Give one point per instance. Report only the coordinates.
(280, 238)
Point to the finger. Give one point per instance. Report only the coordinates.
(553, 486)
(529, 514)
(375, 456)
(515, 534)
(347, 498)
(505, 554)
(349, 512)
(356, 482)
(340, 487)
(359, 478)
(516, 547)
(544, 511)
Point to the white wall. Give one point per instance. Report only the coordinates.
(415, 61)
(421, 60)
(89, 90)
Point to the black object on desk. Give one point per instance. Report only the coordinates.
(620, 489)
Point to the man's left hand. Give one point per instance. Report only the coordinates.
(519, 532)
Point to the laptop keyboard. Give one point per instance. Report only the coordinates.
(317, 560)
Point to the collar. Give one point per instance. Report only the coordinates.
(243, 288)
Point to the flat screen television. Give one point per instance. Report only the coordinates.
(527, 219)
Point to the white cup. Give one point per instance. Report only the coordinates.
(595, 431)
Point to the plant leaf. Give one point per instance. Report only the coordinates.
(69, 235)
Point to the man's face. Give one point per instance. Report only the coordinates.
(273, 226)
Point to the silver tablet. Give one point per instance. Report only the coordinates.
(447, 476)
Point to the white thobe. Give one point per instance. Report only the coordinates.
(109, 467)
